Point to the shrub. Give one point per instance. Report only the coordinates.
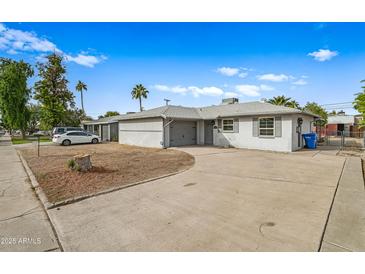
(71, 164)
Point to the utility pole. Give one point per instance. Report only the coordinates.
(167, 101)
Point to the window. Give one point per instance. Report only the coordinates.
(228, 125)
(77, 133)
(266, 127)
(73, 128)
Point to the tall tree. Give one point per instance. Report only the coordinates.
(109, 114)
(317, 109)
(52, 92)
(293, 104)
(14, 93)
(139, 92)
(34, 117)
(283, 101)
(359, 104)
(80, 87)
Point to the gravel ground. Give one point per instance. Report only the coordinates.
(113, 165)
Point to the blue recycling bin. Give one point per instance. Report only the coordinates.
(310, 140)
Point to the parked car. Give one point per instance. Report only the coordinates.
(42, 133)
(61, 130)
(75, 137)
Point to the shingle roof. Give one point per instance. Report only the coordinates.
(247, 109)
(210, 112)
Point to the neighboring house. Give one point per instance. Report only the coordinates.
(348, 125)
(253, 125)
(106, 128)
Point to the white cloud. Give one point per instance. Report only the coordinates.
(273, 77)
(11, 51)
(300, 82)
(248, 90)
(323, 55)
(14, 41)
(266, 88)
(227, 71)
(25, 41)
(211, 91)
(2, 27)
(85, 60)
(174, 89)
(195, 91)
(243, 74)
(230, 94)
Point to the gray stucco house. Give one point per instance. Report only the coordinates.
(253, 125)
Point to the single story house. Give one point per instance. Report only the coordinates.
(253, 125)
(343, 124)
(106, 128)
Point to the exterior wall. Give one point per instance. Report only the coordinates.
(306, 128)
(245, 139)
(200, 132)
(166, 134)
(142, 132)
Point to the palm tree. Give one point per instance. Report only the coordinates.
(279, 100)
(283, 101)
(293, 104)
(138, 92)
(80, 87)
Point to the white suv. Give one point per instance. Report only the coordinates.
(75, 137)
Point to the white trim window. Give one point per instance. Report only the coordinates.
(227, 125)
(267, 127)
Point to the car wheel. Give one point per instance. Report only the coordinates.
(94, 141)
(66, 142)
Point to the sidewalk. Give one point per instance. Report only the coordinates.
(346, 226)
(24, 226)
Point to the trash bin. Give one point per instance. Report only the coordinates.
(310, 140)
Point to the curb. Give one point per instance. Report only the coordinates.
(42, 196)
(48, 205)
(109, 190)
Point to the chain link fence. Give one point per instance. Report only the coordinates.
(342, 139)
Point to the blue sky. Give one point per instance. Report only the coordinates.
(197, 64)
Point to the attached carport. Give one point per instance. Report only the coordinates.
(107, 128)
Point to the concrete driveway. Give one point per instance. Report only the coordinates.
(231, 200)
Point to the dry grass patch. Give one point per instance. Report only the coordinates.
(113, 165)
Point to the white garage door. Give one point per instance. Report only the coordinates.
(182, 133)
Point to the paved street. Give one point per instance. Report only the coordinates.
(24, 226)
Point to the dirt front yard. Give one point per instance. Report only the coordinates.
(113, 165)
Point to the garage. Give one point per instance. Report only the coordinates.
(182, 133)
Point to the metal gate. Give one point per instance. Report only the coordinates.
(341, 139)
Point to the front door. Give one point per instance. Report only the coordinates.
(208, 132)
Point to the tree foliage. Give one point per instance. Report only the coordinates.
(283, 101)
(109, 114)
(51, 91)
(317, 109)
(14, 93)
(34, 117)
(139, 92)
(359, 104)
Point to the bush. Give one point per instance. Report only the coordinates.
(71, 164)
